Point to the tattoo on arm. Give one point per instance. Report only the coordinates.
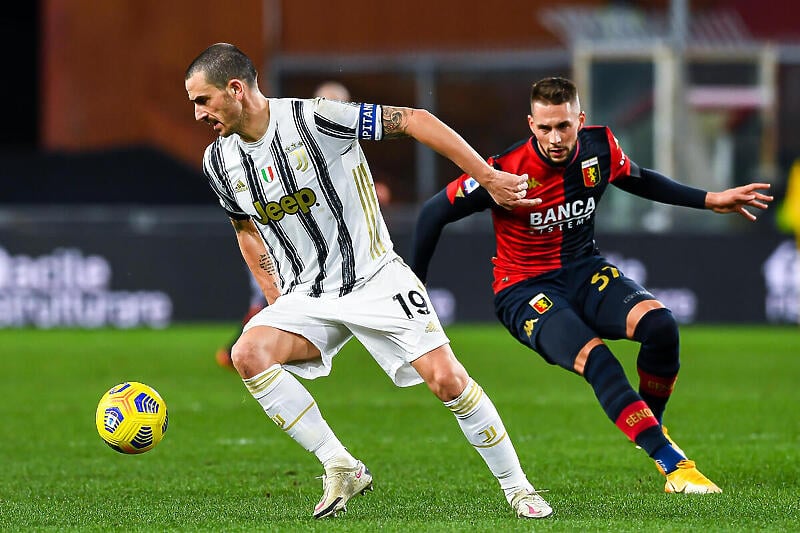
(395, 121)
(245, 230)
(266, 264)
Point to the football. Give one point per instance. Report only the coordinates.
(131, 417)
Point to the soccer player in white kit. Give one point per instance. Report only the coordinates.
(293, 179)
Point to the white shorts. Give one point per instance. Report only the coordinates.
(390, 314)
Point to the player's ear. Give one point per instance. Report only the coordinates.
(581, 119)
(235, 87)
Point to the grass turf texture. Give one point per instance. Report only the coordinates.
(223, 466)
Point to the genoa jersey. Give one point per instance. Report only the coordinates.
(532, 241)
(307, 187)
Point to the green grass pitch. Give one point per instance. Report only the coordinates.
(223, 466)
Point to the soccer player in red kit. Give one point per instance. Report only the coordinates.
(555, 293)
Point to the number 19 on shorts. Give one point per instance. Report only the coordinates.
(412, 302)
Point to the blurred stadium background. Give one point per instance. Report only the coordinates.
(106, 219)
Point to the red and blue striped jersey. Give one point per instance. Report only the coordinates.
(533, 241)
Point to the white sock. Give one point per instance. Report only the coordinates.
(484, 429)
(293, 409)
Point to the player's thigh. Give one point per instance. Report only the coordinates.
(392, 316)
(609, 297)
(542, 318)
(307, 330)
(280, 345)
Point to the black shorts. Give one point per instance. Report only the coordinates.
(557, 313)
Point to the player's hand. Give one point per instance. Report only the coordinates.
(509, 190)
(734, 200)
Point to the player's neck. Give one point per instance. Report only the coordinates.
(256, 119)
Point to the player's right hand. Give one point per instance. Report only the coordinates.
(509, 190)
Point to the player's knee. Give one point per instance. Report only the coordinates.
(250, 352)
(658, 329)
(241, 352)
(563, 339)
(443, 373)
(447, 386)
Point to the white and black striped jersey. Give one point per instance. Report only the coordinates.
(307, 187)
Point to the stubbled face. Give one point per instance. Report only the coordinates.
(556, 128)
(216, 107)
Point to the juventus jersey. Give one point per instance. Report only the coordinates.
(307, 187)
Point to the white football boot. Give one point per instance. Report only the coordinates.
(528, 504)
(339, 485)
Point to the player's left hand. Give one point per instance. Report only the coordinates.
(734, 200)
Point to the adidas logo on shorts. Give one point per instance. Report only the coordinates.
(432, 327)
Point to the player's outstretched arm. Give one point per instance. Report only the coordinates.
(257, 258)
(508, 190)
(736, 199)
(655, 186)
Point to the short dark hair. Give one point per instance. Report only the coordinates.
(221, 63)
(554, 91)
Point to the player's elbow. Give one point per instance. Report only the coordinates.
(419, 121)
(422, 114)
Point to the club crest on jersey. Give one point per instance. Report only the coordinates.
(267, 174)
(590, 169)
(239, 186)
(297, 151)
(540, 303)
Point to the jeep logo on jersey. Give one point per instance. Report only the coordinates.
(290, 204)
